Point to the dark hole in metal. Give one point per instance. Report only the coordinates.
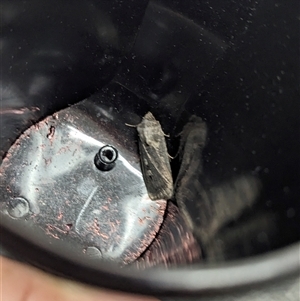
(106, 157)
(108, 154)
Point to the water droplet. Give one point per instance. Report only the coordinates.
(290, 213)
(286, 189)
(257, 169)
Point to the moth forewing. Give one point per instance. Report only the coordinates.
(205, 208)
(155, 160)
(193, 136)
(192, 143)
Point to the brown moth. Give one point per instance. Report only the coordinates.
(205, 208)
(188, 187)
(155, 161)
(192, 143)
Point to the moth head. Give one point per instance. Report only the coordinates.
(149, 116)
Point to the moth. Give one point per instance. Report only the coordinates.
(155, 161)
(207, 208)
(192, 143)
(188, 187)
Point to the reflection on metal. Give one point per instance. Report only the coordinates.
(52, 166)
(17, 207)
(174, 244)
(93, 252)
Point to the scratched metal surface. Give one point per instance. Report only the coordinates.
(174, 245)
(49, 182)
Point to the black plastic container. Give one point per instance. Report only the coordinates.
(235, 64)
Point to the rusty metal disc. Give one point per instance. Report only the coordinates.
(49, 181)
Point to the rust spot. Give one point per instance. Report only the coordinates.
(94, 227)
(104, 235)
(105, 208)
(112, 227)
(173, 245)
(47, 161)
(64, 149)
(60, 215)
(69, 226)
(49, 230)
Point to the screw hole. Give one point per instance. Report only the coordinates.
(108, 154)
(106, 157)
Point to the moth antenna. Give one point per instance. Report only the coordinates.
(177, 153)
(172, 157)
(179, 134)
(131, 125)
